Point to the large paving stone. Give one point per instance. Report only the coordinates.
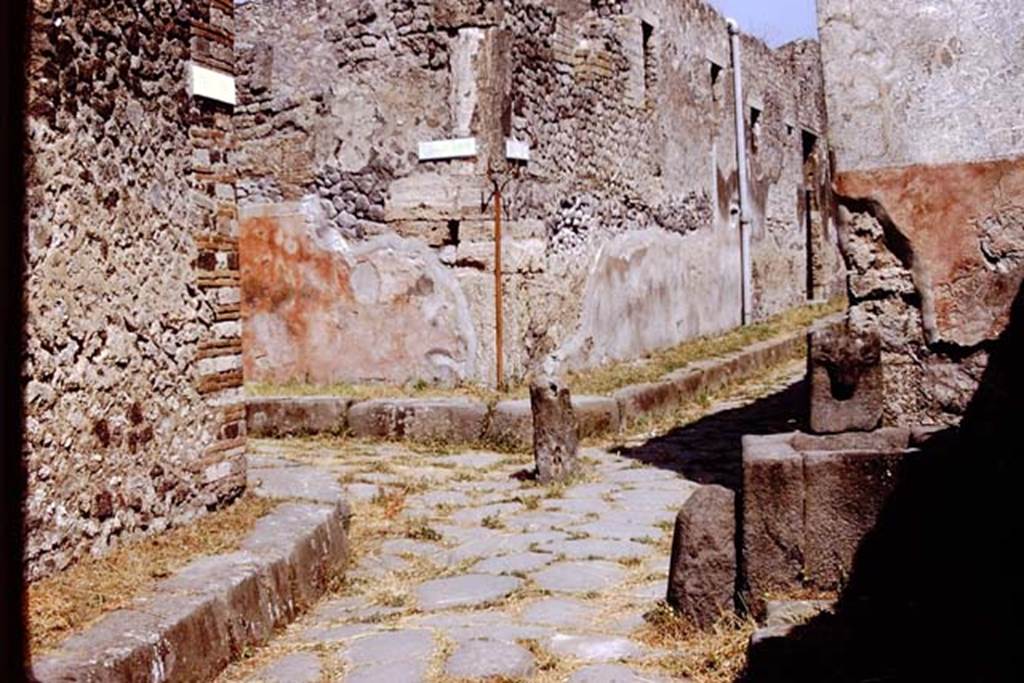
(330, 635)
(307, 483)
(641, 475)
(477, 460)
(454, 420)
(512, 564)
(477, 548)
(589, 491)
(597, 548)
(539, 520)
(482, 659)
(476, 515)
(560, 612)
(702, 579)
(624, 531)
(298, 667)
(494, 625)
(593, 648)
(464, 591)
(392, 646)
(579, 577)
(610, 673)
(650, 591)
(440, 499)
(581, 506)
(641, 499)
(409, 671)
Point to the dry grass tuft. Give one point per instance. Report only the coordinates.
(715, 655)
(609, 378)
(75, 598)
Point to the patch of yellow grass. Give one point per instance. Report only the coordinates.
(369, 391)
(78, 596)
(600, 380)
(609, 378)
(714, 655)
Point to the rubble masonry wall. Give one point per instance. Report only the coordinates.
(134, 412)
(621, 232)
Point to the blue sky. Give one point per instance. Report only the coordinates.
(776, 21)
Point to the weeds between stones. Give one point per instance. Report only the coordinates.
(716, 655)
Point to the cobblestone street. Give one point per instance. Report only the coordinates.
(466, 569)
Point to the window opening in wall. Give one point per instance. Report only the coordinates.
(649, 58)
(810, 144)
(453, 233)
(755, 129)
(716, 82)
(813, 217)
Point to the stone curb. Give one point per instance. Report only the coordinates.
(297, 415)
(509, 424)
(201, 619)
(688, 383)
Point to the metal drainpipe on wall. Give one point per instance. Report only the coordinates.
(747, 303)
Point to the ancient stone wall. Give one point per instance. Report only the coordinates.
(621, 234)
(133, 406)
(928, 137)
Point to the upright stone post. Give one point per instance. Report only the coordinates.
(555, 430)
(702, 572)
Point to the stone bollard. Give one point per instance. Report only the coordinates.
(555, 431)
(846, 379)
(702, 575)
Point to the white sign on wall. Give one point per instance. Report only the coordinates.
(211, 84)
(517, 150)
(439, 150)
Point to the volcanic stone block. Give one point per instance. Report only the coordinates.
(555, 430)
(639, 400)
(702, 576)
(291, 415)
(773, 516)
(453, 420)
(511, 424)
(846, 379)
(883, 440)
(844, 494)
(809, 502)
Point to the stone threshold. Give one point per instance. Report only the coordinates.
(205, 616)
(508, 424)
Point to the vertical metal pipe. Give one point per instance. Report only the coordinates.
(747, 289)
(499, 316)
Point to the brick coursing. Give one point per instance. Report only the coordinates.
(134, 412)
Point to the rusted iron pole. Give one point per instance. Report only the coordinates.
(499, 315)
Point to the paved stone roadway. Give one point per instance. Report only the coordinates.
(464, 571)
